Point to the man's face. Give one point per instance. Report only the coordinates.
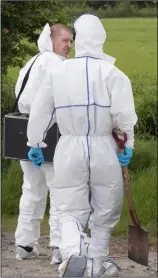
(62, 43)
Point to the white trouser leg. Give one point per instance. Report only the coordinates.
(106, 185)
(32, 205)
(71, 242)
(106, 199)
(70, 194)
(48, 171)
(54, 228)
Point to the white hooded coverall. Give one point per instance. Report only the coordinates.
(36, 181)
(93, 98)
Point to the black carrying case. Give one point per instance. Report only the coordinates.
(15, 132)
(15, 138)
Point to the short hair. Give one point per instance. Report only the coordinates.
(56, 29)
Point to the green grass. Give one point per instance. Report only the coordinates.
(11, 189)
(9, 223)
(144, 195)
(133, 42)
(144, 190)
(145, 156)
(143, 179)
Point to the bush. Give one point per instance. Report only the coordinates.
(7, 101)
(12, 181)
(144, 191)
(145, 155)
(11, 189)
(146, 109)
(21, 20)
(148, 12)
(7, 95)
(122, 9)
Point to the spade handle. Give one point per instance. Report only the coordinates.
(121, 138)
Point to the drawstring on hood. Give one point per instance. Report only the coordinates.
(90, 37)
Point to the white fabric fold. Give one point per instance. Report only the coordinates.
(44, 42)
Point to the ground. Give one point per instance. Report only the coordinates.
(40, 267)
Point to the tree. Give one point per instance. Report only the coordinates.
(100, 4)
(22, 20)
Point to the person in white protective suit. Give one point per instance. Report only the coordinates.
(54, 45)
(93, 98)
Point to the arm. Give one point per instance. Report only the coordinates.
(42, 114)
(122, 104)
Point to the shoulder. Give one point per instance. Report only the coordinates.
(49, 58)
(50, 55)
(46, 61)
(110, 71)
(120, 74)
(106, 68)
(43, 59)
(114, 71)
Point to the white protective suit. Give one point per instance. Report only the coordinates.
(36, 181)
(93, 98)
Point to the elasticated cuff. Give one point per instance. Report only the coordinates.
(37, 145)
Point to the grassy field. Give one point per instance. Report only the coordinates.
(133, 43)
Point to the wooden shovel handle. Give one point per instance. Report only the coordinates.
(121, 137)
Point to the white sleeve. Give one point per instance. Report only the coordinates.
(122, 104)
(42, 114)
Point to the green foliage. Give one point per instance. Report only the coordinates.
(145, 155)
(144, 190)
(11, 189)
(133, 43)
(112, 9)
(7, 100)
(7, 94)
(12, 181)
(146, 109)
(22, 20)
(104, 4)
(128, 9)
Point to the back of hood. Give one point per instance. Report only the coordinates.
(90, 37)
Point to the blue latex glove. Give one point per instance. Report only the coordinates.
(36, 156)
(125, 158)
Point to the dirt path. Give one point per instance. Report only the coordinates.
(40, 267)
